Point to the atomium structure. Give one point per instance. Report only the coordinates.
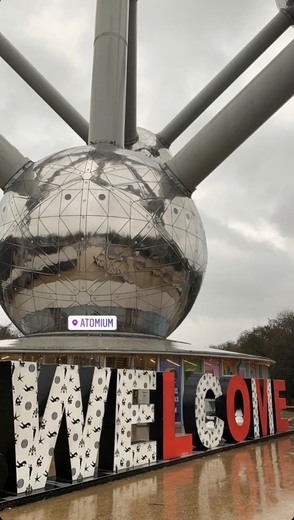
(110, 228)
(100, 231)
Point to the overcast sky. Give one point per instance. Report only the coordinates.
(246, 204)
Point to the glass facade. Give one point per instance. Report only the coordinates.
(173, 365)
(145, 362)
(253, 370)
(212, 366)
(192, 365)
(229, 367)
(243, 369)
(182, 366)
(118, 361)
(263, 371)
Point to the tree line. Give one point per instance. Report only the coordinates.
(274, 340)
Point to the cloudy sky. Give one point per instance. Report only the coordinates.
(246, 204)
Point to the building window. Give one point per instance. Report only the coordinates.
(173, 364)
(211, 366)
(229, 367)
(192, 366)
(145, 362)
(119, 361)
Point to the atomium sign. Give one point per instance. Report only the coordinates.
(82, 418)
(93, 323)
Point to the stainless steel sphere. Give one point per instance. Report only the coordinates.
(99, 230)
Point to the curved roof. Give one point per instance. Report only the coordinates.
(79, 343)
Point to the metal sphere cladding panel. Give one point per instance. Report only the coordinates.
(99, 231)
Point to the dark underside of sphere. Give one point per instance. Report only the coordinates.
(93, 231)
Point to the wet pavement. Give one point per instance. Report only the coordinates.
(253, 483)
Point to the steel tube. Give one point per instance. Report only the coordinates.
(11, 161)
(42, 87)
(255, 48)
(108, 96)
(256, 103)
(131, 134)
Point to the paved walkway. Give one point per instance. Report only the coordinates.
(251, 483)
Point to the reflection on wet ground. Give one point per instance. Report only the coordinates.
(251, 483)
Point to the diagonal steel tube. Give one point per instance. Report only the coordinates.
(256, 103)
(108, 95)
(42, 87)
(255, 48)
(11, 161)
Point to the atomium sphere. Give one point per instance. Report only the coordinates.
(99, 231)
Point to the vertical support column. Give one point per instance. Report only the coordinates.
(108, 96)
(131, 135)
